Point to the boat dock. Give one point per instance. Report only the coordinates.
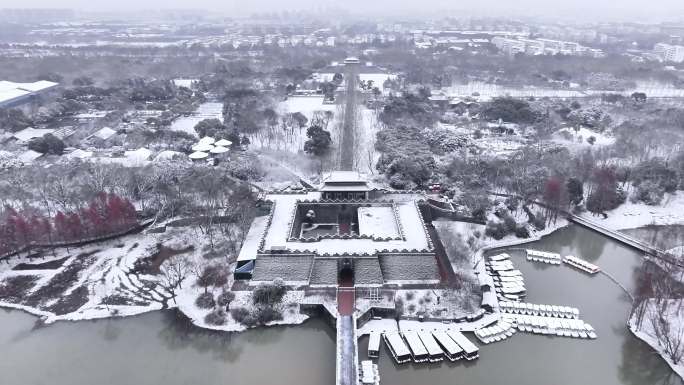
(543, 257)
(581, 264)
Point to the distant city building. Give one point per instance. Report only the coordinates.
(533, 47)
(669, 52)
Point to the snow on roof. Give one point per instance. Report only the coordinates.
(140, 154)
(29, 156)
(408, 215)
(187, 83)
(218, 150)
(30, 87)
(168, 155)
(8, 96)
(377, 221)
(446, 341)
(104, 133)
(224, 143)
(462, 341)
(207, 140)
(489, 298)
(198, 155)
(398, 345)
(30, 133)
(79, 154)
(344, 177)
(250, 245)
(429, 342)
(202, 147)
(415, 343)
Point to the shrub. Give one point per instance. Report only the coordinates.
(267, 314)
(410, 295)
(239, 314)
(269, 294)
(649, 192)
(522, 232)
(496, 230)
(205, 301)
(539, 221)
(224, 299)
(398, 307)
(216, 317)
(411, 308)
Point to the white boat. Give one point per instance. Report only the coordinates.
(590, 331)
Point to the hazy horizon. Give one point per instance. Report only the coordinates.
(577, 9)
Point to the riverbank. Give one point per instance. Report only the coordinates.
(132, 275)
(653, 334)
(633, 215)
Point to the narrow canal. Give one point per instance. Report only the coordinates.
(161, 348)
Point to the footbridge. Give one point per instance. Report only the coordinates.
(346, 369)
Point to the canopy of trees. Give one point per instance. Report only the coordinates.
(319, 141)
(510, 110)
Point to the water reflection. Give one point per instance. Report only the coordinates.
(641, 365)
(178, 333)
(663, 237)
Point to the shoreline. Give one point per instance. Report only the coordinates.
(187, 309)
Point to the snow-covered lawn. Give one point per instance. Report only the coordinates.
(568, 136)
(632, 215)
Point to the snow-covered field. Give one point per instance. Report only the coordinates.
(209, 110)
(632, 215)
(579, 138)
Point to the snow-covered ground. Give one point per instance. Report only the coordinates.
(632, 215)
(568, 136)
(111, 274)
(647, 331)
(366, 134)
(409, 218)
(378, 221)
(209, 110)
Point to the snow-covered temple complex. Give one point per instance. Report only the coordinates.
(346, 229)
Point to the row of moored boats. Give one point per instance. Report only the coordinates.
(424, 346)
(537, 309)
(499, 332)
(561, 327)
(581, 264)
(543, 257)
(508, 281)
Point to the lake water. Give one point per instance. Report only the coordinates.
(163, 348)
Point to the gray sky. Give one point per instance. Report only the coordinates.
(610, 9)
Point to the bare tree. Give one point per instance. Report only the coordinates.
(172, 274)
(670, 334)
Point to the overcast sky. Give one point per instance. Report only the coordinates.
(610, 9)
